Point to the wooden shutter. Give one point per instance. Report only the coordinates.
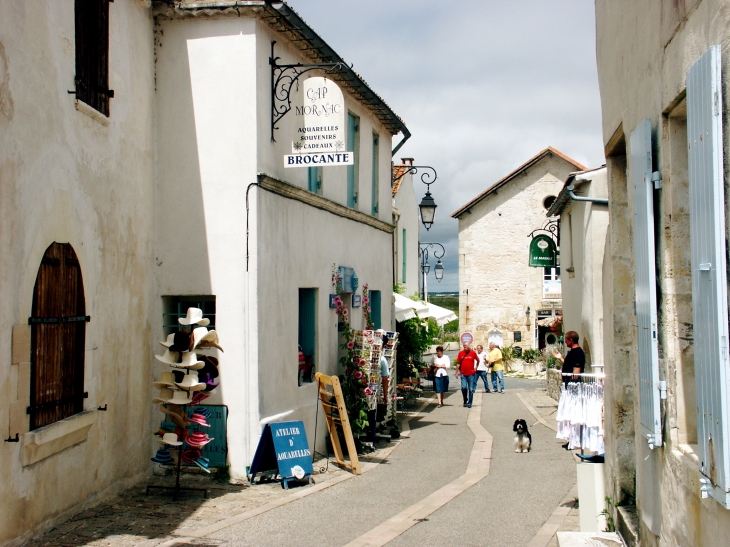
(353, 143)
(92, 54)
(58, 338)
(376, 175)
(709, 277)
(644, 262)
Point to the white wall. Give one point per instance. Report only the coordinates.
(65, 177)
(405, 202)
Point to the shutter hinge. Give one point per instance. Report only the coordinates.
(656, 178)
(716, 103)
(663, 389)
(705, 488)
(705, 267)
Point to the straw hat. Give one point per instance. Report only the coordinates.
(167, 379)
(199, 419)
(190, 382)
(194, 317)
(166, 395)
(198, 439)
(204, 338)
(170, 340)
(176, 418)
(189, 361)
(181, 398)
(169, 357)
(171, 439)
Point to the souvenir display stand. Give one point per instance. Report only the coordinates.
(335, 412)
(189, 382)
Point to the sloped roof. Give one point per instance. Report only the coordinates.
(563, 198)
(399, 172)
(505, 180)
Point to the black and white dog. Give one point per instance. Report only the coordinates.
(523, 439)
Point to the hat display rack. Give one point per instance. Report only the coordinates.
(191, 379)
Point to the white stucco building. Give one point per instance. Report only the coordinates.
(583, 228)
(663, 75)
(155, 186)
(496, 284)
(407, 221)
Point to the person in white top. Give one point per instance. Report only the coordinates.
(439, 366)
(482, 367)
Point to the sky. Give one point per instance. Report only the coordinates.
(482, 85)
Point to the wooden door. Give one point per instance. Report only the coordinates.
(58, 336)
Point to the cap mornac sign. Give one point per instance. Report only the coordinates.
(543, 253)
(319, 138)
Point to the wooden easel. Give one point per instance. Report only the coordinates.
(336, 414)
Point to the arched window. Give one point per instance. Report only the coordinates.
(58, 337)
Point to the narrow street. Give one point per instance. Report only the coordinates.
(430, 490)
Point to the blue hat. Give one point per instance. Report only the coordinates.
(202, 410)
(162, 456)
(202, 464)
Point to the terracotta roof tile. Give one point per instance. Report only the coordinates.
(398, 175)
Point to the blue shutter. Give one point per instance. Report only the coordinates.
(709, 277)
(352, 145)
(644, 262)
(312, 181)
(376, 309)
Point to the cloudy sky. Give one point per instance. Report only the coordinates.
(483, 85)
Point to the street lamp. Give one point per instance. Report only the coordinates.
(427, 205)
(438, 270)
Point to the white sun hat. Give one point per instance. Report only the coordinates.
(167, 379)
(190, 361)
(204, 338)
(181, 398)
(170, 340)
(194, 317)
(190, 382)
(165, 396)
(170, 438)
(169, 357)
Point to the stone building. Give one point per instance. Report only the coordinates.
(138, 176)
(663, 75)
(499, 292)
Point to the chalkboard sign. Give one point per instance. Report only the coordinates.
(283, 447)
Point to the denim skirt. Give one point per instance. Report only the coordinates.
(441, 384)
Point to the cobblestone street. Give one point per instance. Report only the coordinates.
(413, 491)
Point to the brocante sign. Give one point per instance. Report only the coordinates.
(319, 138)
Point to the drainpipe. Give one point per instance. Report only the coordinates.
(597, 201)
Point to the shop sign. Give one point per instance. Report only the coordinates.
(466, 338)
(319, 134)
(543, 253)
(552, 290)
(283, 447)
(356, 300)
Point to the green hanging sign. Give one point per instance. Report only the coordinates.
(543, 253)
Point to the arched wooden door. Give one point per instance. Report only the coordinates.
(58, 336)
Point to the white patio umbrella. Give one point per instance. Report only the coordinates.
(405, 308)
(441, 315)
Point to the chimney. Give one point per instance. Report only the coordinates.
(407, 161)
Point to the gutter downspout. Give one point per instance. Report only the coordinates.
(406, 136)
(597, 201)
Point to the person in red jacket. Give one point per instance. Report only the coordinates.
(466, 367)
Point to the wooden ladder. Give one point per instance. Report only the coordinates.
(335, 411)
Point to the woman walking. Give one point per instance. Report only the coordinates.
(440, 364)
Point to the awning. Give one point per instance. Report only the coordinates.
(405, 308)
(441, 315)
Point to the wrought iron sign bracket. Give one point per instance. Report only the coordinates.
(283, 77)
(552, 228)
(428, 177)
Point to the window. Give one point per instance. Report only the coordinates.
(353, 145)
(376, 309)
(174, 307)
(92, 54)
(551, 274)
(548, 202)
(58, 338)
(403, 266)
(376, 175)
(315, 180)
(307, 333)
(517, 336)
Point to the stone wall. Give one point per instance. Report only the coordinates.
(553, 379)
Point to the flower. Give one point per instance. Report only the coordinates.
(350, 344)
(337, 311)
(362, 362)
(358, 374)
(338, 301)
(368, 391)
(369, 310)
(344, 311)
(365, 300)
(365, 286)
